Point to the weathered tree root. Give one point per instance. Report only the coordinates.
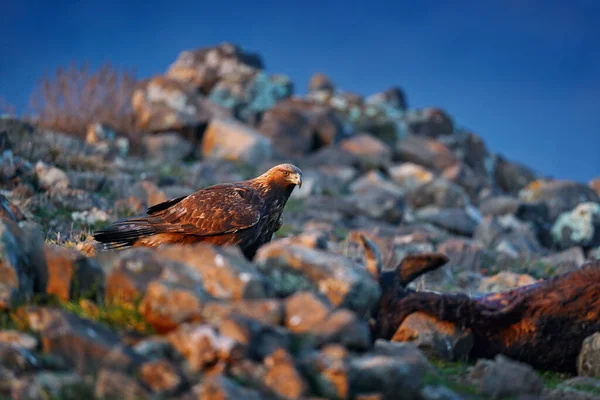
(543, 324)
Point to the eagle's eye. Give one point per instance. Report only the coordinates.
(285, 173)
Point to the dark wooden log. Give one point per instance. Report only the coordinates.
(543, 324)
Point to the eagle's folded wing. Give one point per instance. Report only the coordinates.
(214, 211)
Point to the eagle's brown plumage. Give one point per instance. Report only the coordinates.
(244, 213)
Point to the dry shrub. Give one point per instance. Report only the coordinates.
(77, 96)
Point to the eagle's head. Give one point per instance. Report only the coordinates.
(287, 176)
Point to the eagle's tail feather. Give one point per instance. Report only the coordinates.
(124, 232)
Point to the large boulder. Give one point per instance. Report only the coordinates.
(22, 265)
(426, 152)
(559, 195)
(578, 227)
(234, 141)
(429, 122)
(298, 126)
(290, 267)
(512, 176)
(162, 105)
(203, 68)
(249, 97)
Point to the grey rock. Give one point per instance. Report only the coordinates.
(233, 141)
(291, 267)
(588, 360)
(440, 193)
(559, 195)
(455, 220)
(167, 147)
(579, 227)
(425, 152)
(503, 377)
(435, 338)
(64, 385)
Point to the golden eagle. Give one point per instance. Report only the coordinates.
(244, 213)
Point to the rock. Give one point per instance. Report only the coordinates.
(588, 360)
(162, 376)
(259, 339)
(83, 344)
(226, 274)
(407, 351)
(9, 211)
(471, 149)
(267, 311)
(329, 370)
(308, 314)
(162, 104)
(503, 377)
(203, 346)
(511, 176)
(459, 221)
(438, 392)
(463, 176)
(222, 388)
(148, 193)
(425, 152)
(565, 261)
(297, 127)
(167, 147)
(508, 235)
(103, 139)
(429, 122)
(410, 176)
(64, 385)
(291, 267)
(440, 193)
(381, 204)
(393, 97)
(504, 281)
(435, 338)
(305, 311)
(380, 119)
(559, 195)
(386, 375)
(595, 185)
(20, 339)
(19, 360)
(130, 274)
(204, 67)
(13, 168)
(23, 270)
(319, 82)
(115, 384)
(91, 217)
(74, 199)
(370, 151)
(178, 296)
(71, 275)
(248, 97)
(577, 388)
(578, 227)
(282, 377)
(233, 141)
(378, 198)
(50, 177)
(462, 272)
(497, 206)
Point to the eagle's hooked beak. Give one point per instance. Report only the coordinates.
(298, 180)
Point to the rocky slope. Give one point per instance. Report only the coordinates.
(381, 181)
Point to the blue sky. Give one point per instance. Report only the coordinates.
(525, 75)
